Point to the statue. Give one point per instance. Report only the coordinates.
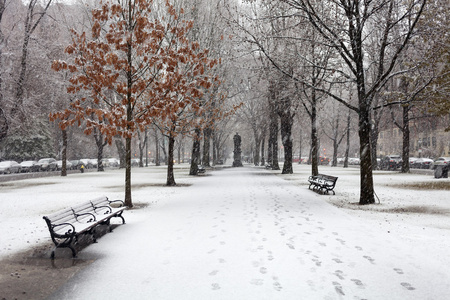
(237, 150)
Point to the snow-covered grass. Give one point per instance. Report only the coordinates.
(243, 233)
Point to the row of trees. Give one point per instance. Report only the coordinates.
(123, 69)
(368, 56)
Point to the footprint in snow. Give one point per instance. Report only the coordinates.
(215, 286)
(407, 286)
(372, 261)
(358, 282)
(399, 271)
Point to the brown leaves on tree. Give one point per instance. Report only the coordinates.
(134, 70)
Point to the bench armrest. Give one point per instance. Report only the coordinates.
(69, 232)
(86, 214)
(108, 209)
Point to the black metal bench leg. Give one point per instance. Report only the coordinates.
(74, 253)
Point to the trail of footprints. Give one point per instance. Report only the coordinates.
(280, 215)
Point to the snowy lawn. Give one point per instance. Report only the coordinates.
(242, 233)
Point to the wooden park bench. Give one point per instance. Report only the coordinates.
(68, 225)
(322, 183)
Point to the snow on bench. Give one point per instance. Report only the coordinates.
(322, 183)
(67, 225)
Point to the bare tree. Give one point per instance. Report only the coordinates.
(345, 25)
(34, 16)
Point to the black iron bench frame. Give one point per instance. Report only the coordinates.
(68, 225)
(322, 183)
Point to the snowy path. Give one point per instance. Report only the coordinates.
(246, 234)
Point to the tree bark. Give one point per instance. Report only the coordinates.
(121, 150)
(366, 183)
(206, 147)
(64, 153)
(287, 121)
(347, 147)
(100, 143)
(314, 139)
(195, 157)
(274, 141)
(263, 140)
(170, 173)
(157, 158)
(406, 139)
(128, 201)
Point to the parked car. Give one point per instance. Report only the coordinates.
(29, 166)
(390, 162)
(47, 164)
(86, 163)
(76, 164)
(135, 162)
(9, 166)
(59, 165)
(441, 161)
(105, 163)
(412, 160)
(324, 161)
(113, 162)
(423, 163)
(94, 162)
(354, 161)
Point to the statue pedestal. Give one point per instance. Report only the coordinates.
(237, 160)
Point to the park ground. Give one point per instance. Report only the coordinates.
(233, 233)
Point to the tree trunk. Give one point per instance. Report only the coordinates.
(206, 147)
(142, 146)
(100, 147)
(214, 147)
(366, 184)
(3, 121)
(406, 137)
(128, 201)
(157, 158)
(286, 137)
(121, 150)
(64, 153)
(100, 143)
(270, 148)
(374, 139)
(335, 151)
(263, 140)
(256, 157)
(163, 148)
(274, 141)
(347, 147)
(170, 174)
(195, 158)
(314, 139)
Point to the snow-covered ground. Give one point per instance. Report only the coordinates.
(243, 233)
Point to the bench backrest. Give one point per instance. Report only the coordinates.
(329, 178)
(101, 205)
(63, 218)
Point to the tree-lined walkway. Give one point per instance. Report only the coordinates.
(243, 233)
